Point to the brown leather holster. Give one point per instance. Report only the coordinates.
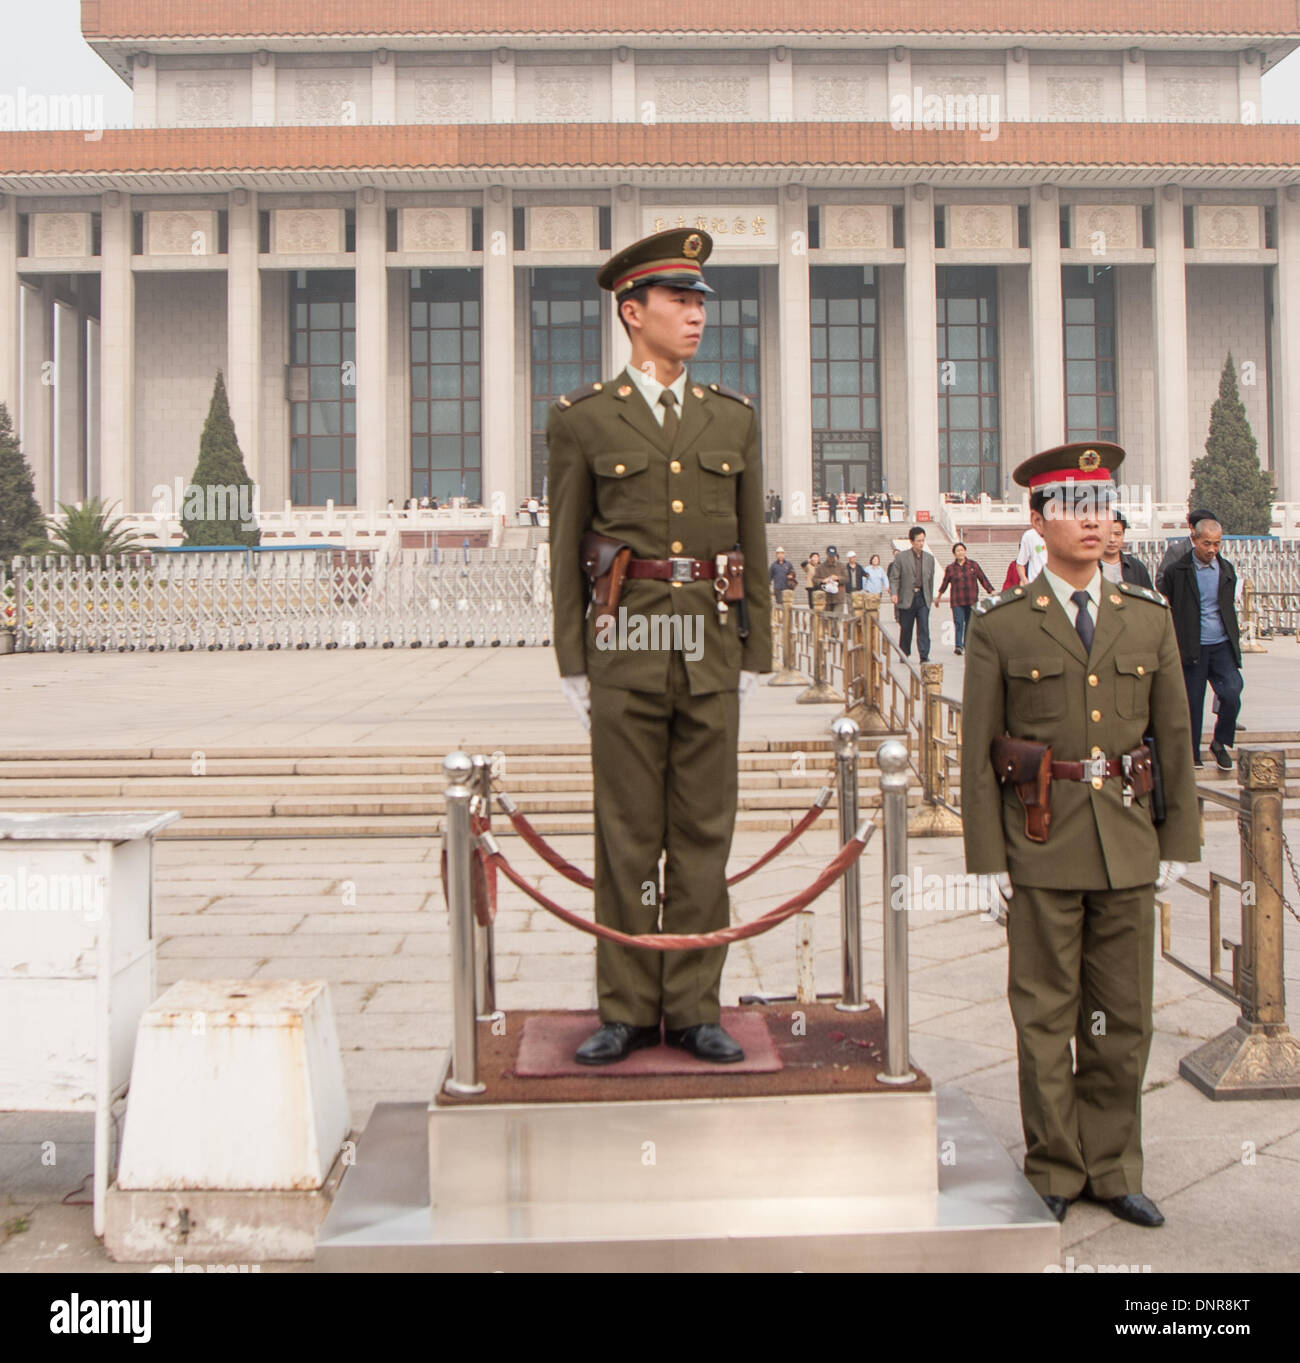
(604, 562)
(735, 575)
(1027, 766)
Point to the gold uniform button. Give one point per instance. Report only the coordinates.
(1141, 670)
(679, 507)
(676, 585)
(1034, 675)
(1096, 716)
(1096, 752)
(677, 546)
(1092, 680)
(676, 466)
(1097, 783)
(726, 468)
(620, 468)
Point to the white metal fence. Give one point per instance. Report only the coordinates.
(330, 598)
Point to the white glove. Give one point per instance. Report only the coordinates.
(994, 892)
(577, 691)
(748, 685)
(1169, 872)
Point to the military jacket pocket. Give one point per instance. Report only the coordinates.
(1036, 687)
(622, 483)
(718, 470)
(1134, 672)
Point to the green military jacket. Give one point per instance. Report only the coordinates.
(612, 470)
(1027, 675)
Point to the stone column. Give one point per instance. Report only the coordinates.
(1286, 350)
(1017, 77)
(503, 86)
(1046, 324)
(1135, 85)
(144, 91)
(372, 349)
(1169, 325)
(37, 426)
(922, 341)
(1250, 90)
(499, 350)
(899, 82)
(263, 114)
(622, 88)
(780, 85)
(383, 87)
(793, 327)
(9, 303)
(117, 354)
(244, 327)
(625, 228)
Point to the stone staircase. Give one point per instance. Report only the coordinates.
(377, 791)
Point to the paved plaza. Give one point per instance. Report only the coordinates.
(367, 916)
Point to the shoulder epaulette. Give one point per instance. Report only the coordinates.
(991, 603)
(731, 393)
(1132, 589)
(588, 390)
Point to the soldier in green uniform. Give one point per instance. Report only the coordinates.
(1089, 667)
(670, 468)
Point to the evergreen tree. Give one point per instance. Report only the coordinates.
(1228, 479)
(21, 521)
(220, 491)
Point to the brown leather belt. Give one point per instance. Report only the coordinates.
(672, 569)
(1087, 771)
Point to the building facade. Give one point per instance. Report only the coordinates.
(934, 252)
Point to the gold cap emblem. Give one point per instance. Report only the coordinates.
(693, 245)
(1089, 460)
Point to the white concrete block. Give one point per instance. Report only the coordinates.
(237, 1084)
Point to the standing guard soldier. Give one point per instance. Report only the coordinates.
(657, 517)
(1065, 678)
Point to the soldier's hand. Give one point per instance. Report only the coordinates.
(748, 685)
(1169, 872)
(577, 691)
(994, 892)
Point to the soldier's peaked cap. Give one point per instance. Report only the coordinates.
(670, 258)
(1084, 461)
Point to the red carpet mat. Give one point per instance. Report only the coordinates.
(818, 1049)
(550, 1039)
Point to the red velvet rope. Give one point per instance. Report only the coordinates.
(570, 872)
(667, 941)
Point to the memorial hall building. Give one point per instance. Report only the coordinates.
(937, 250)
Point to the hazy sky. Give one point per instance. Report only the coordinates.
(42, 50)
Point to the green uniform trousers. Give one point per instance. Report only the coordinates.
(664, 769)
(1080, 968)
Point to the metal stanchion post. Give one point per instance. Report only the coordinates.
(458, 769)
(845, 732)
(891, 758)
(485, 983)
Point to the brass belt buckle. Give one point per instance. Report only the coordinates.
(681, 569)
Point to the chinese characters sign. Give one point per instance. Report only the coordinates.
(736, 226)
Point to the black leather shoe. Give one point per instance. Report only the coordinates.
(614, 1041)
(1058, 1206)
(1221, 756)
(1135, 1207)
(706, 1041)
(1197, 760)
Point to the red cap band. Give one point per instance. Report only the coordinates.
(1100, 475)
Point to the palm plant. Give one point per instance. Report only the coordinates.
(87, 532)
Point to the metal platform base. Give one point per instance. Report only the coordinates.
(984, 1217)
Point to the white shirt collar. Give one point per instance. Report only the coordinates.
(649, 387)
(1064, 591)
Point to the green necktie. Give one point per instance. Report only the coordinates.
(669, 400)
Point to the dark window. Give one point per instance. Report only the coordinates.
(970, 446)
(728, 354)
(845, 379)
(323, 428)
(564, 348)
(1088, 302)
(446, 369)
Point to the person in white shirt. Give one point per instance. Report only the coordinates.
(1031, 557)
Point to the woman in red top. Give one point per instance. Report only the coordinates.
(963, 575)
